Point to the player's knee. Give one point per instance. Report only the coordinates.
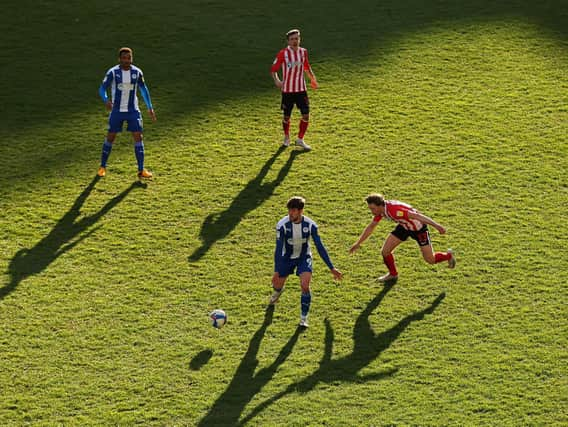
(306, 118)
(385, 253)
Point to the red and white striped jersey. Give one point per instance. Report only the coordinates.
(398, 212)
(293, 64)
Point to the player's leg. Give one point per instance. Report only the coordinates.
(115, 122)
(286, 107)
(278, 283)
(306, 298)
(432, 257)
(305, 274)
(303, 104)
(392, 241)
(422, 237)
(135, 126)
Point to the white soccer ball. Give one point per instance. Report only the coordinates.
(218, 318)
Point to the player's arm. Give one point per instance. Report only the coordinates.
(322, 251)
(146, 96)
(103, 90)
(278, 61)
(366, 233)
(308, 70)
(426, 220)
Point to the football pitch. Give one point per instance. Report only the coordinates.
(459, 108)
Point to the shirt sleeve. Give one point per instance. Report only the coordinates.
(306, 62)
(105, 85)
(278, 258)
(377, 218)
(322, 251)
(278, 61)
(145, 92)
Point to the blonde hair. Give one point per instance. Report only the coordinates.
(124, 50)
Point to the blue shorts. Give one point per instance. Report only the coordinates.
(116, 120)
(301, 265)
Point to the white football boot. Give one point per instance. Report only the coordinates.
(300, 143)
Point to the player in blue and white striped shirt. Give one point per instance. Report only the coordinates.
(293, 252)
(124, 80)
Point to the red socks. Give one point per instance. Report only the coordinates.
(303, 128)
(286, 127)
(389, 262)
(441, 256)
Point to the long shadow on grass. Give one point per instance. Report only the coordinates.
(190, 45)
(246, 384)
(28, 262)
(367, 347)
(218, 225)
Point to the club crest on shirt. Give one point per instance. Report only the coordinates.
(305, 229)
(399, 213)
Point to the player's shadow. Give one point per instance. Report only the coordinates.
(228, 408)
(368, 345)
(28, 262)
(218, 225)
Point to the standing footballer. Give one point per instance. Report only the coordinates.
(410, 223)
(293, 252)
(293, 60)
(124, 80)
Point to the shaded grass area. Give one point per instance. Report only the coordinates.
(458, 109)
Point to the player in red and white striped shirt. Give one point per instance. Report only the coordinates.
(411, 223)
(294, 62)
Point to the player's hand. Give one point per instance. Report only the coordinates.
(441, 229)
(152, 115)
(314, 83)
(278, 83)
(108, 105)
(354, 248)
(337, 275)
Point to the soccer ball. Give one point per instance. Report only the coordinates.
(218, 318)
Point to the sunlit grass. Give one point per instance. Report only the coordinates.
(104, 313)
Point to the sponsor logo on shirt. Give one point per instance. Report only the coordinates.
(125, 86)
(292, 241)
(292, 64)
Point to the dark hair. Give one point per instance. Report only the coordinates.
(296, 202)
(375, 199)
(291, 33)
(124, 50)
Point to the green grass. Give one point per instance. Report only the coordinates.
(459, 109)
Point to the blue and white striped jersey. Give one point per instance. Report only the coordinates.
(292, 241)
(123, 86)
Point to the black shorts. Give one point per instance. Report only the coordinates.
(299, 98)
(421, 236)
